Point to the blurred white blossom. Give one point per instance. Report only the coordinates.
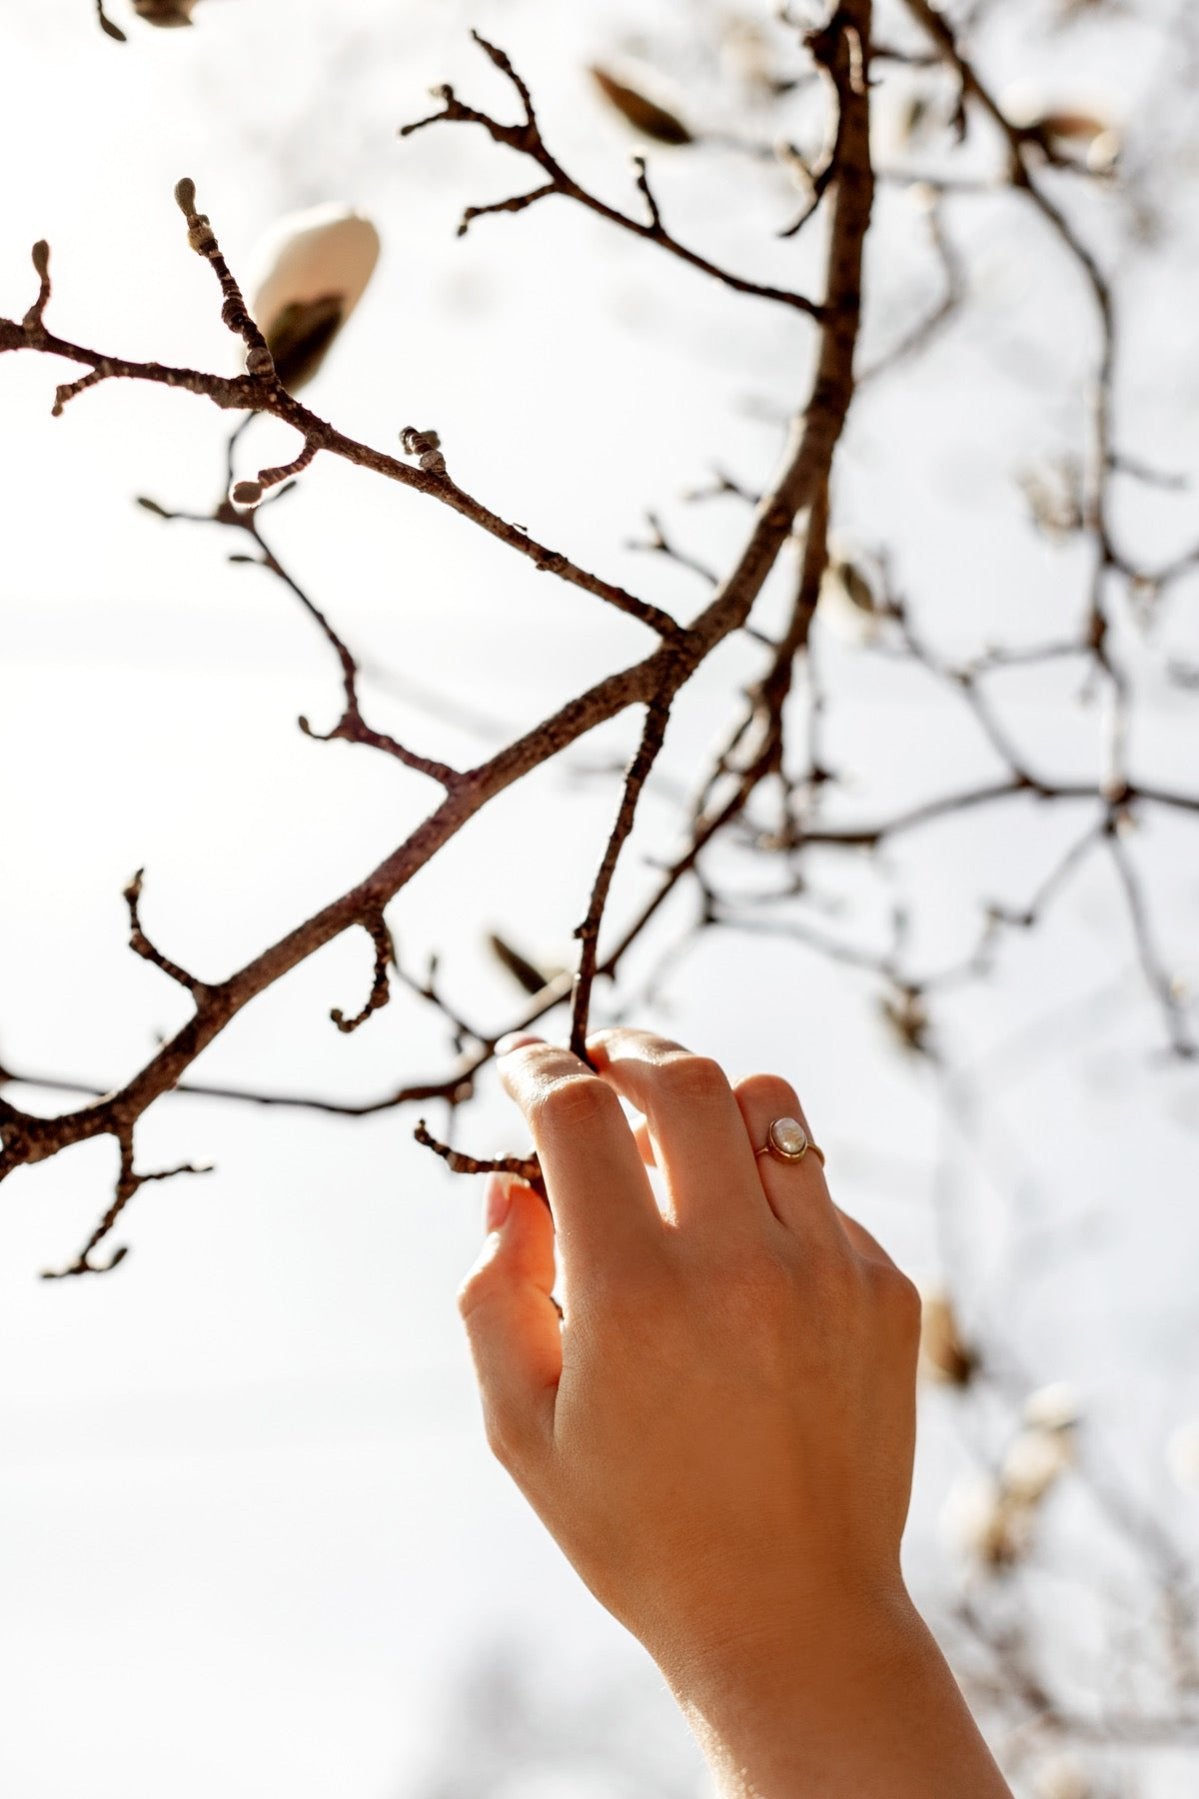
(986, 1523)
(848, 602)
(1053, 1407)
(1182, 1455)
(1083, 126)
(943, 1355)
(1062, 1776)
(1033, 1463)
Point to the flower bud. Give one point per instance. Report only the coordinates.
(943, 1355)
(313, 269)
(1062, 1777)
(165, 12)
(1033, 1463)
(1053, 1407)
(642, 113)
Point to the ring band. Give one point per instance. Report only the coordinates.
(787, 1141)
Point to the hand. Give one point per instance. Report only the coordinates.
(727, 1412)
(720, 1429)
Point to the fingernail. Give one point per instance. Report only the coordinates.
(515, 1040)
(497, 1202)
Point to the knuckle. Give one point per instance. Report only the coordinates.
(695, 1080)
(841, 1281)
(481, 1285)
(473, 1293)
(770, 1091)
(895, 1296)
(577, 1101)
(906, 1304)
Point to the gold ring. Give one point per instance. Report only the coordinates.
(787, 1141)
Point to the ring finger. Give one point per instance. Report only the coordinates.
(797, 1191)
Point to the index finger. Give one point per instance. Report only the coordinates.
(602, 1203)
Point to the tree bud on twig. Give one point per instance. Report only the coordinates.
(200, 234)
(313, 268)
(165, 12)
(943, 1355)
(1066, 130)
(426, 447)
(645, 115)
(847, 602)
(107, 26)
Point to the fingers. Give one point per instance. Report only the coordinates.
(512, 1323)
(602, 1203)
(797, 1192)
(645, 1143)
(859, 1236)
(692, 1117)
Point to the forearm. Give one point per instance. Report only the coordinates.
(853, 1707)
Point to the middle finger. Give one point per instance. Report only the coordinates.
(692, 1116)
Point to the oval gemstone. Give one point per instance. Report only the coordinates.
(788, 1136)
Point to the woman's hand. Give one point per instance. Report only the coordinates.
(719, 1432)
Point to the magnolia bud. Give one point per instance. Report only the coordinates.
(847, 601)
(1078, 127)
(246, 493)
(1054, 1407)
(644, 114)
(312, 271)
(1062, 1777)
(943, 1355)
(990, 1526)
(1033, 1463)
(165, 12)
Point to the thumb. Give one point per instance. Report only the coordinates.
(512, 1323)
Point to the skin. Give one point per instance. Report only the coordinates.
(719, 1431)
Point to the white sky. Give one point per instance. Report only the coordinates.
(250, 1534)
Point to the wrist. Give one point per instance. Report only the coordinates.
(850, 1697)
(797, 1648)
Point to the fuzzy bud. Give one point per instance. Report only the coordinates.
(1062, 1776)
(943, 1355)
(165, 12)
(259, 360)
(1033, 1463)
(987, 1524)
(642, 113)
(426, 447)
(1053, 1407)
